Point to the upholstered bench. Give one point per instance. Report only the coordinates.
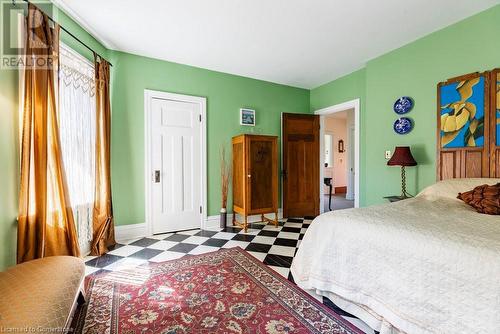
(39, 296)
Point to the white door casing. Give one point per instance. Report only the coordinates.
(353, 104)
(351, 174)
(175, 173)
(330, 170)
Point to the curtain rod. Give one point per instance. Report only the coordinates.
(65, 30)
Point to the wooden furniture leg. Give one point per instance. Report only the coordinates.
(274, 221)
(330, 186)
(245, 224)
(262, 218)
(234, 217)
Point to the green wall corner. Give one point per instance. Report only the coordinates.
(225, 94)
(412, 70)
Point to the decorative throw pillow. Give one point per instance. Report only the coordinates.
(485, 199)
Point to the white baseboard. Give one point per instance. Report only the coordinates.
(212, 222)
(132, 231)
(135, 231)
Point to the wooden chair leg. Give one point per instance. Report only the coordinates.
(245, 224)
(262, 218)
(276, 219)
(234, 218)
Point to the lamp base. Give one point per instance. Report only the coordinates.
(404, 194)
(393, 199)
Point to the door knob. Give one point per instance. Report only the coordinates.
(157, 176)
(249, 175)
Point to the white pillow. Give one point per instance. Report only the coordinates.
(452, 187)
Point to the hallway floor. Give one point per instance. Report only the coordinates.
(339, 202)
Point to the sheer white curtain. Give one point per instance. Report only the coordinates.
(77, 123)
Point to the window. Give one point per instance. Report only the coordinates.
(77, 123)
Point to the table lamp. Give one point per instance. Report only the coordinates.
(402, 157)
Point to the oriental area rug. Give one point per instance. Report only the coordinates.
(227, 291)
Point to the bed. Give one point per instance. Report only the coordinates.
(429, 264)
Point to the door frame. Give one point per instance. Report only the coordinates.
(202, 101)
(352, 104)
(351, 135)
(331, 133)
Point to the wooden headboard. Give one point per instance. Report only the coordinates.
(468, 126)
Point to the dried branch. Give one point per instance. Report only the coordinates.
(225, 176)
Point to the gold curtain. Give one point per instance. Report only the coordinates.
(103, 226)
(46, 225)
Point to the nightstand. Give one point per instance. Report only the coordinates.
(396, 198)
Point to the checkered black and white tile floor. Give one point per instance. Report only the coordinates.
(274, 246)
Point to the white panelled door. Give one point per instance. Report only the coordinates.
(176, 164)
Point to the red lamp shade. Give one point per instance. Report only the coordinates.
(402, 157)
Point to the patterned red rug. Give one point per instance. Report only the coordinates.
(227, 291)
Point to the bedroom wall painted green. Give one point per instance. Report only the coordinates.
(9, 140)
(415, 69)
(8, 165)
(344, 89)
(225, 94)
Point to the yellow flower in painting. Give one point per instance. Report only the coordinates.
(474, 124)
(461, 111)
(458, 117)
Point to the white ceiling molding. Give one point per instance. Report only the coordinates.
(301, 43)
(77, 18)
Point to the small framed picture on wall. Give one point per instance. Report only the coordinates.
(247, 117)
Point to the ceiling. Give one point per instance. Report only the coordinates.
(302, 43)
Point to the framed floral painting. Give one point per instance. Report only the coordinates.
(468, 131)
(462, 112)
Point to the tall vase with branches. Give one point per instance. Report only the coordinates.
(225, 176)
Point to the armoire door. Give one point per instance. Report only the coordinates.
(300, 135)
(262, 174)
(240, 177)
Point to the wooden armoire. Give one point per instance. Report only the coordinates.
(255, 178)
(468, 132)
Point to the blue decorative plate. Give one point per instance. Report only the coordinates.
(403, 105)
(403, 125)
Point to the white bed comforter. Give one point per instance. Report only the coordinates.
(423, 265)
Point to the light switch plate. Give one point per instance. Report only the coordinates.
(387, 155)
